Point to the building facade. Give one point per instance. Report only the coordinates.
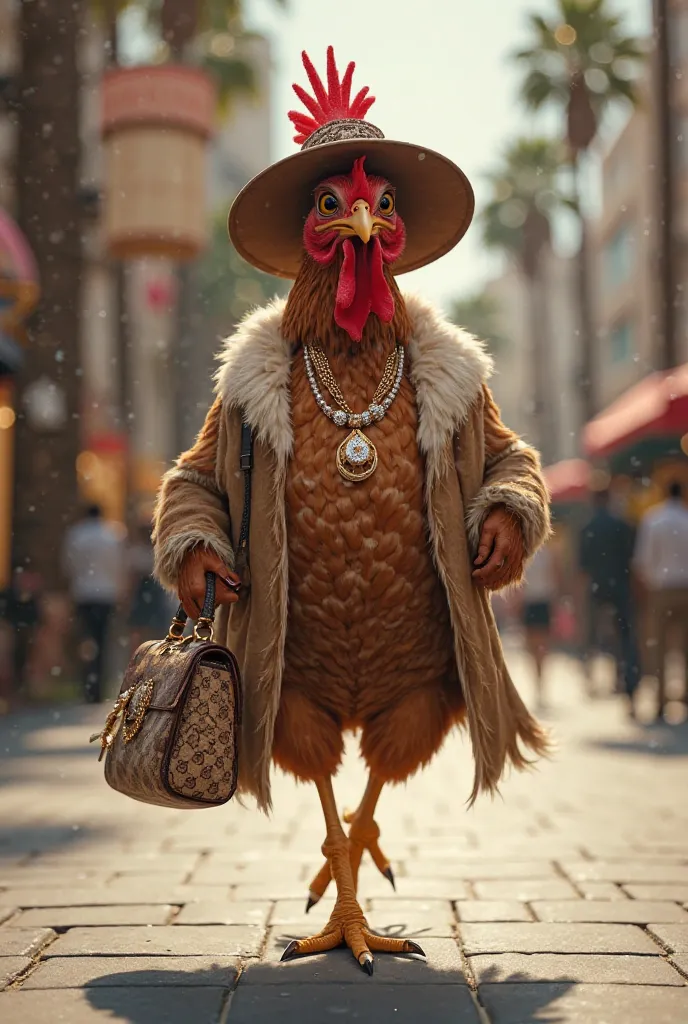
(552, 425)
(626, 249)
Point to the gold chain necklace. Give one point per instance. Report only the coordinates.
(356, 455)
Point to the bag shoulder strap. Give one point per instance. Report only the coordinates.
(246, 466)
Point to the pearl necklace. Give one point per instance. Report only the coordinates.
(357, 455)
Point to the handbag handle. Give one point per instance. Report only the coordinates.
(203, 628)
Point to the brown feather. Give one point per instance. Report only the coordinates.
(369, 641)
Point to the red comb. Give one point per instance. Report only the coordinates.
(328, 104)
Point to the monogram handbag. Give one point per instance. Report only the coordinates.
(172, 736)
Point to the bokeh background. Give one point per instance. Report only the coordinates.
(127, 128)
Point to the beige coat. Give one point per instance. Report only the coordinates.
(466, 473)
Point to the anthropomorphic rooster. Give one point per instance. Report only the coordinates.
(388, 499)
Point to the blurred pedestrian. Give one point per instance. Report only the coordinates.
(539, 593)
(94, 563)
(150, 610)
(605, 558)
(22, 609)
(661, 564)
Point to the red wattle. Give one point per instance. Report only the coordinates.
(362, 288)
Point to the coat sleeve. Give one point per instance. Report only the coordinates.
(512, 477)
(192, 507)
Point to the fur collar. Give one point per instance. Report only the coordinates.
(448, 367)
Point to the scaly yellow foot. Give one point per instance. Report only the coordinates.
(363, 835)
(352, 931)
(347, 924)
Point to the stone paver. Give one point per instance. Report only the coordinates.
(563, 899)
(584, 1004)
(675, 892)
(182, 940)
(229, 912)
(135, 1005)
(74, 917)
(553, 938)
(134, 971)
(492, 910)
(615, 911)
(442, 965)
(603, 891)
(11, 967)
(412, 918)
(592, 968)
(681, 961)
(482, 870)
(23, 941)
(441, 1004)
(625, 871)
(673, 936)
(526, 890)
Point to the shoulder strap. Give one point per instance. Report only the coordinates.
(246, 466)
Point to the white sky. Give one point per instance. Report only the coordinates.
(444, 82)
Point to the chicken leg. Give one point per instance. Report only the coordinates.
(363, 835)
(347, 924)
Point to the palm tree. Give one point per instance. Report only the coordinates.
(516, 221)
(581, 61)
(478, 313)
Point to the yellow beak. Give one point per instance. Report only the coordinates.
(361, 220)
(361, 223)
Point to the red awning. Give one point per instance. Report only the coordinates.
(568, 480)
(655, 407)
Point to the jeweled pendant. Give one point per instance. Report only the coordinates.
(356, 457)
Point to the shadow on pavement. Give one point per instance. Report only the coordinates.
(658, 740)
(302, 992)
(29, 739)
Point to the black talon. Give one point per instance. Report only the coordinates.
(367, 963)
(389, 875)
(413, 947)
(310, 903)
(290, 952)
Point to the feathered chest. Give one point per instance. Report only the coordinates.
(354, 456)
(325, 511)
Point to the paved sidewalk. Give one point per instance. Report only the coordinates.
(564, 902)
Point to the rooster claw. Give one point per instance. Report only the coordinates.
(311, 902)
(413, 947)
(389, 875)
(290, 952)
(367, 963)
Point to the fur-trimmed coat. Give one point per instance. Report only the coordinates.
(472, 463)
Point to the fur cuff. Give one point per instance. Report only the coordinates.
(532, 514)
(192, 476)
(170, 554)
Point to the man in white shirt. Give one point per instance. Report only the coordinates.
(94, 564)
(661, 563)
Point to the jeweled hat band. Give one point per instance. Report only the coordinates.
(349, 129)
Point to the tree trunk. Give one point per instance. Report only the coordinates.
(541, 379)
(121, 309)
(48, 164)
(666, 299)
(587, 382)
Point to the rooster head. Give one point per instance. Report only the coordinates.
(354, 217)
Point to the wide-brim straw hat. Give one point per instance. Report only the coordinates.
(434, 197)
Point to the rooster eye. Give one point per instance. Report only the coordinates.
(386, 204)
(327, 204)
